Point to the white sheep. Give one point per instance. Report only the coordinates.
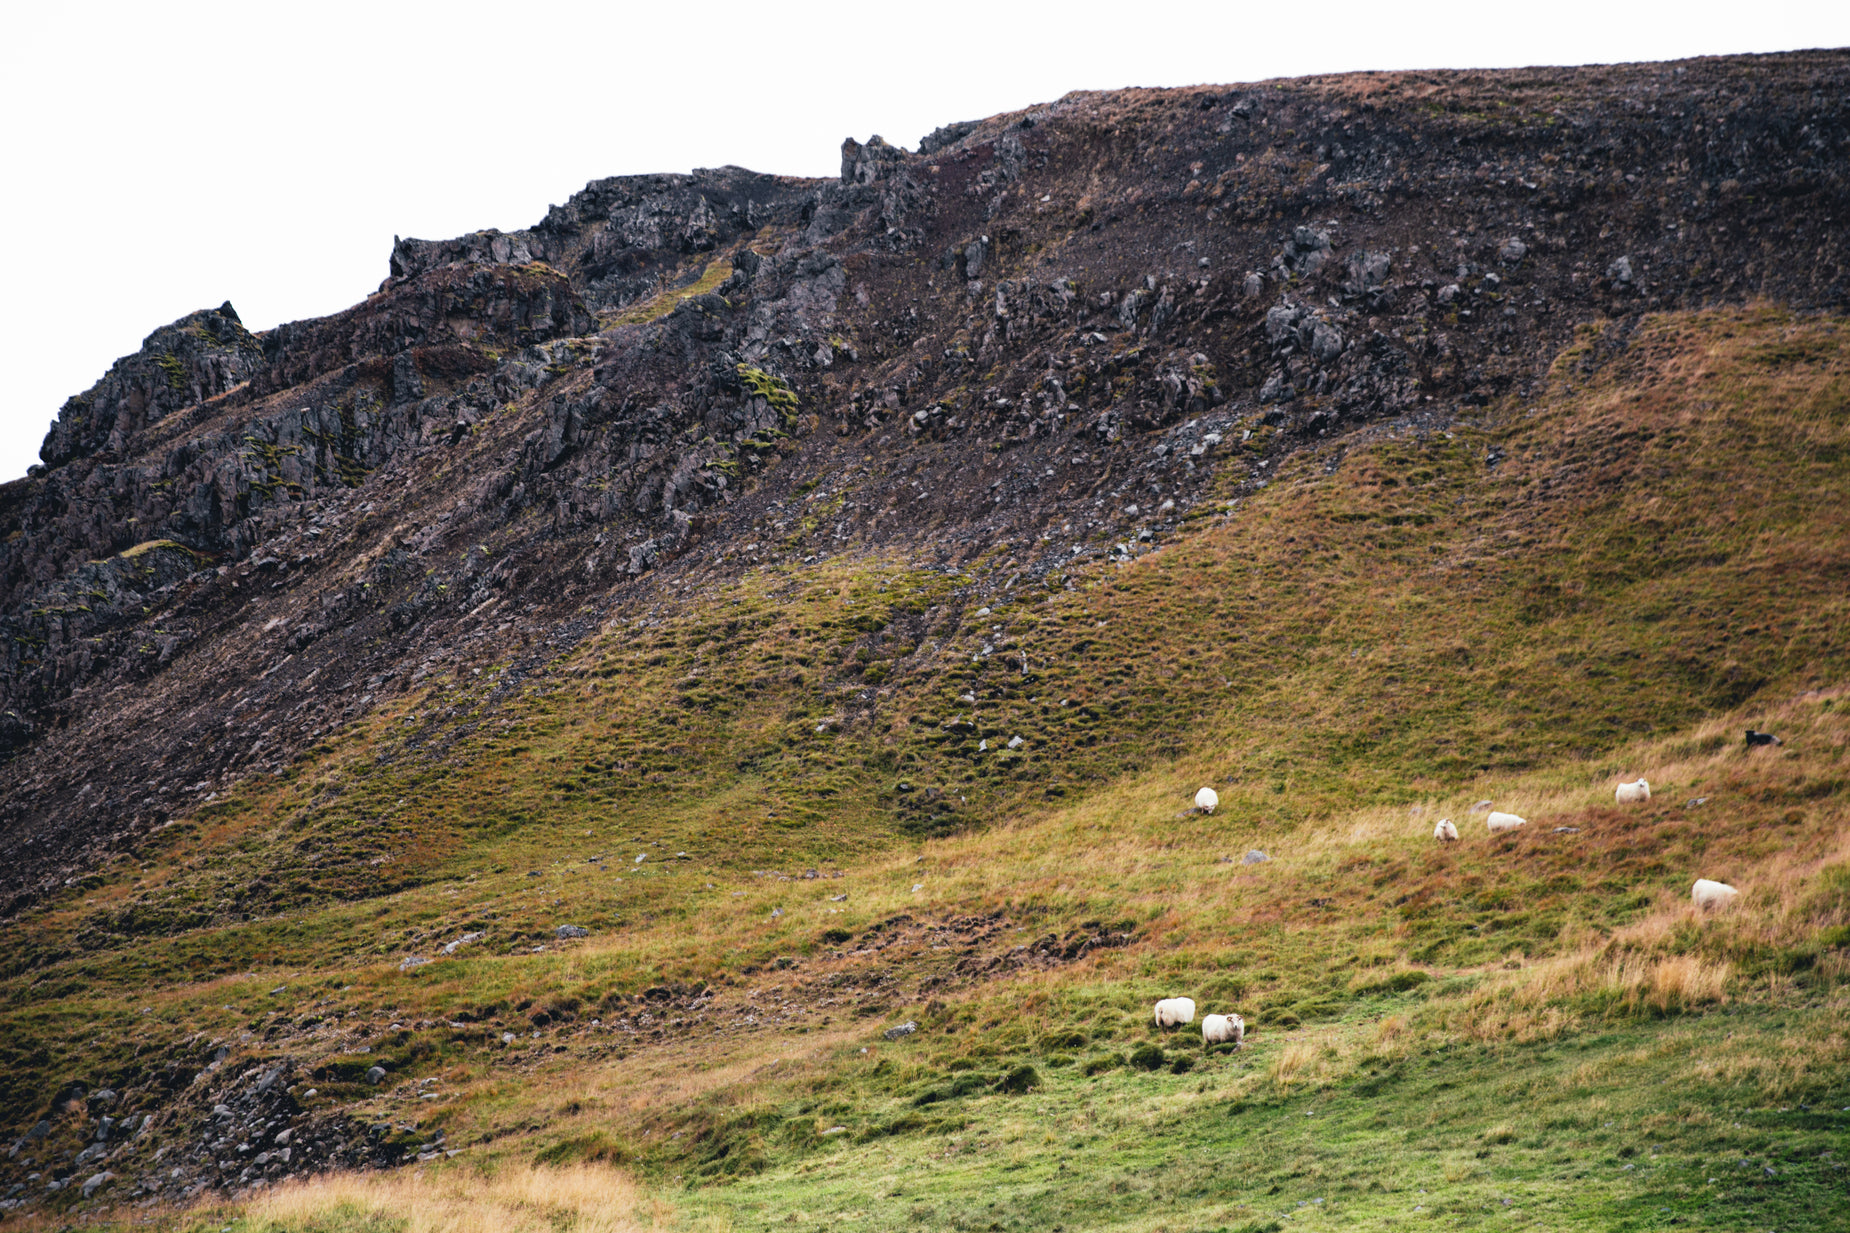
(1445, 832)
(1174, 1012)
(1627, 793)
(1709, 894)
(1206, 800)
(1222, 1030)
(1500, 822)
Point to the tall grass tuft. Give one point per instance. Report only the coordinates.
(514, 1199)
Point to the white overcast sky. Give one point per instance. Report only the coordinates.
(163, 157)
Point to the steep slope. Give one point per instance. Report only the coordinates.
(1360, 445)
(1036, 293)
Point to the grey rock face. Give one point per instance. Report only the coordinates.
(1305, 253)
(564, 932)
(974, 253)
(864, 164)
(1326, 341)
(1367, 271)
(901, 1031)
(197, 358)
(945, 136)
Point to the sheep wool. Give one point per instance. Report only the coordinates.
(1206, 800)
(1222, 1030)
(1445, 832)
(1174, 1012)
(1710, 895)
(1500, 822)
(1627, 793)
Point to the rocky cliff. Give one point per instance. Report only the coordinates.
(1055, 328)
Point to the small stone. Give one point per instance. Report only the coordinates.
(917, 887)
(1513, 251)
(982, 612)
(571, 931)
(375, 1074)
(311, 1093)
(507, 1038)
(1620, 271)
(982, 746)
(1567, 830)
(1480, 807)
(1015, 742)
(412, 961)
(449, 948)
(900, 1032)
(103, 1179)
(1253, 857)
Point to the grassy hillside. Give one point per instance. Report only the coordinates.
(1611, 579)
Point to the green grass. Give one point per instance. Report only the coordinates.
(660, 305)
(1610, 1129)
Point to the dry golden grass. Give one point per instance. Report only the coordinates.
(582, 1198)
(1295, 1062)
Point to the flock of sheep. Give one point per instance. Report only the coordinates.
(1706, 893)
(1231, 1029)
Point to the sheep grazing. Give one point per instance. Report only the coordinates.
(1174, 1012)
(1222, 1030)
(1710, 895)
(1206, 800)
(1500, 822)
(1762, 738)
(1445, 832)
(1629, 793)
